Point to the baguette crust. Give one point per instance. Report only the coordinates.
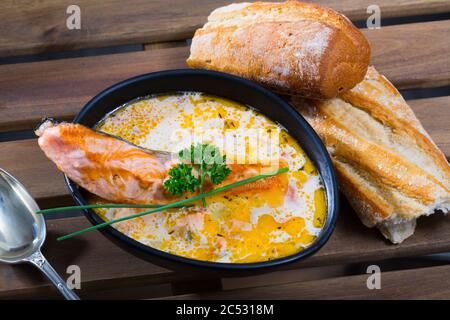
(292, 47)
(388, 167)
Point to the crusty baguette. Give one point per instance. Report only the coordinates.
(388, 167)
(292, 47)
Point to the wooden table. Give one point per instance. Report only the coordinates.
(414, 55)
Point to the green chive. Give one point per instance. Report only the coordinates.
(178, 203)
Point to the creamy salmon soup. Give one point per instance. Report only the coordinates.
(260, 222)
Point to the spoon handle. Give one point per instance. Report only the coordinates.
(42, 264)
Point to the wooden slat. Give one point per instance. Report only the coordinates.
(423, 283)
(164, 45)
(26, 163)
(33, 27)
(412, 55)
(434, 113)
(59, 88)
(285, 276)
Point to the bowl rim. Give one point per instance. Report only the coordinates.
(332, 213)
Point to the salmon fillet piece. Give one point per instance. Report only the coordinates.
(118, 171)
(108, 167)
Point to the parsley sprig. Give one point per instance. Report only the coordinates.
(207, 162)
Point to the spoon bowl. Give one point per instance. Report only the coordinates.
(22, 231)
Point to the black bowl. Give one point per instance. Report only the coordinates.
(233, 88)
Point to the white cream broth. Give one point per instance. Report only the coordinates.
(248, 226)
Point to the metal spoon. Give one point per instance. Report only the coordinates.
(22, 231)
